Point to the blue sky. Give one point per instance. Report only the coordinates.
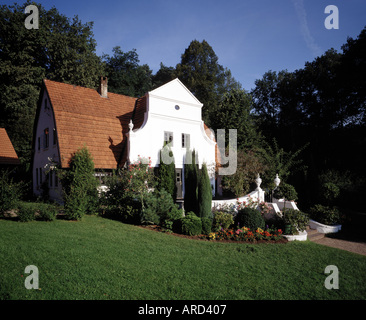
(250, 37)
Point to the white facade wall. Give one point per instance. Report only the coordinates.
(44, 152)
(172, 108)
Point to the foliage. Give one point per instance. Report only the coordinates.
(233, 112)
(26, 212)
(79, 185)
(10, 192)
(62, 49)
(297, 219)
(250, 218)
(222, 219)
(325, 214)
(191, 182)
(191, 224)
(166, 172)
(200, 71)
(285, 191)
(278, 161)
(206, 225)
(204, 194)
(125, 75)
(159, 208)
(249, 164)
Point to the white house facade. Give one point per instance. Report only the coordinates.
(174, 116)
(117, 129)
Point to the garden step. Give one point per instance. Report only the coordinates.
(313, 234)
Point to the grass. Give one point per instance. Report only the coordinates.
(98, 258)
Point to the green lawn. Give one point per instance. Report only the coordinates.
(98, 258)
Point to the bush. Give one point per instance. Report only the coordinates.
(47, 212)
(250, 218)
(79, 186)
(206, 225)
(286, 191)
(223, 220)
(26, 212)
(297, 219)
(325, 214)
(191, 224)
(9, 192)
(159, 208)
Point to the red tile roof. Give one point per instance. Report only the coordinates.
(7, 152)
(83, 117)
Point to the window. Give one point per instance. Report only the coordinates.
(185, 140)
(37, 181)
(40, 175)
(168, 138)
(39, 143)
(54, 136)
(46, 138)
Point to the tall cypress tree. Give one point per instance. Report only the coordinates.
(167, 172)
(204, 194)
(191, 182)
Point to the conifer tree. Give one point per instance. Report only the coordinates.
(204, 194)
(191, 182)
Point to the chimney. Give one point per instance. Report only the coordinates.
(103, 87)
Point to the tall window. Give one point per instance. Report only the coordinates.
(46, 138)
(185, 140)
(168, 138)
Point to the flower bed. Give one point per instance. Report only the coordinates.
(245, 234)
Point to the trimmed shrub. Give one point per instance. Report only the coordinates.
(47, 212)
(26, 212)
(159, 208)
(191, 182)
(206, 225)
(325, 214)
(222, 220)
(191, 224)
(204, 194)
(250, 218)
(80, 186)
(297, 219)
(167, 172)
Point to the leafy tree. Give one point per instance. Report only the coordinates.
(62, 49)
(233, 112)
(249, 164)
(200, 71)
(204, 194)
(163, 75)
(125, 75)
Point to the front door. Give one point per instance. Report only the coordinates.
(178, 182)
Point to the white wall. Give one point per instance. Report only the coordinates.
(43, 154)
(161, 116)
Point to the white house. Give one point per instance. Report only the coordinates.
(117, 129)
